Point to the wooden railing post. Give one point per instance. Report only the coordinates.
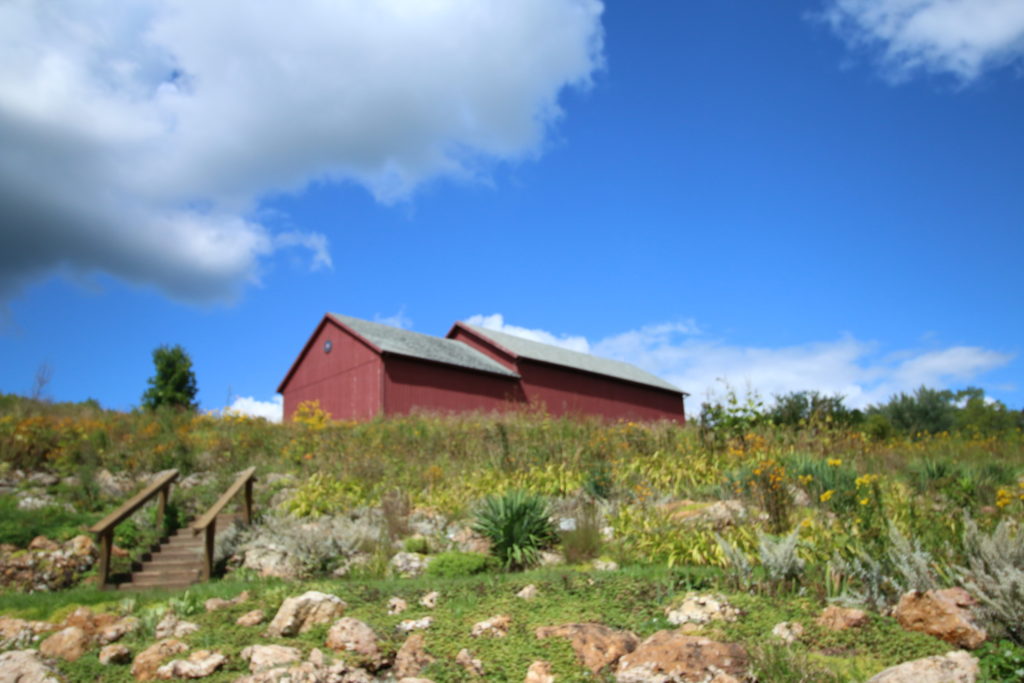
(106, 539)
(211, 534)
(161, 508)
(247, 504)
(208, 522)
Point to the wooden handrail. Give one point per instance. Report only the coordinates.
(104, 529)
(208, 522)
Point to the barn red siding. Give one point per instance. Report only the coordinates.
(411, 384)
(347, 381)
(566, 392)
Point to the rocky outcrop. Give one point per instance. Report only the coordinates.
(351, 635)
(837, 618)
(719, 513)
(467, 661)
(701, 609)
(944, 614)
(15, 633)
(408, 565)
(299, 614)
(597, 646)
(45, 565)
(528, 592)
(115, 654)
(173, 627)
(200, 664)
(952, 667)
(412, 657)
(265, 657)
(68, 644)
(215, 604)
(788, 631)
(539, 672)
(495, 627)
(671, 655)
(149, 660)
(253, 618)
(26, 666)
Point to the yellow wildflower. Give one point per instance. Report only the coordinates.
(834, 462)
(825, 496)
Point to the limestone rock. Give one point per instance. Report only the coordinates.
(407, 625)
(351, 635)
(111, 633)
(115, 654)
(397, 606)
(253, 618)
(430, 599)
(720, 513)
(670, 655)
(701, 609)
(19, 632)
(412, 657)
(551, 558)
(469, 663)
(200, 664)
(82, 546)
(944, 614)
(496, 627)
(215, 604)
(528, 593)
(173, 627)
(271, 561)
(468, 541)
(596, 645)
(25, 666)
(68, 644)
(952, 667)
(299, 614)
(838, 618)
(43, 543)
(539, 672)
(408, 565)
(605, 565)
(309, 672)
(788, 631)
(263, 657)
(149, 660)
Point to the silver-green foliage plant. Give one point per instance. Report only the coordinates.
(995, 574)
(518, 525)
(779, 557)
(911, 562)
(867, 582)
(739, 565)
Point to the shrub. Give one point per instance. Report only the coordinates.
(456, 563)
(583, 542)
(995, 574)
(518, 526)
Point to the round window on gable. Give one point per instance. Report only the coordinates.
(328, 346)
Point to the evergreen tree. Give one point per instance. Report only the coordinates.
(174, 383)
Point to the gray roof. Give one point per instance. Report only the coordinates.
(547, 353)
(415, 345)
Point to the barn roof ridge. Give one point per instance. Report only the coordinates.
(395, 340)
(557, 355)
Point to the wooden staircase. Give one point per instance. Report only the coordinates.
(184, 558)
(177, 563)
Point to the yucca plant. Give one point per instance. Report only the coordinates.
(518, 525)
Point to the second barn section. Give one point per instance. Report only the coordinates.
(359, 369)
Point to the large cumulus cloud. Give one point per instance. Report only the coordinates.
(140, 137)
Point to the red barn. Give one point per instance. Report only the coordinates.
(358, 369)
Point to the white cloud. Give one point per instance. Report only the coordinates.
(141, 136)
(399, 319)
(681, 354)
(497, 322)
(272, 410)
(958, 37)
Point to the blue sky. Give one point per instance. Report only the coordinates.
(822, 194)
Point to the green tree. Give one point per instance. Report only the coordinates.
(174, 383)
